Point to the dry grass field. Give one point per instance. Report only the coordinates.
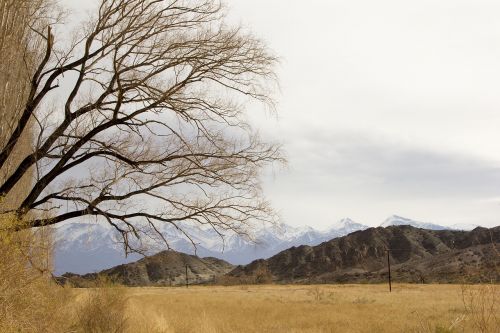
(323, 308)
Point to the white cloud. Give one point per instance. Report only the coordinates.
(387, 107)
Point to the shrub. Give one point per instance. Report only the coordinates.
(101, 309)
(30, 301)
(482, 307)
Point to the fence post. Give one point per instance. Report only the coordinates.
(389, 269)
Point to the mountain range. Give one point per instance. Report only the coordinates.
(84, 247)
(416, 255)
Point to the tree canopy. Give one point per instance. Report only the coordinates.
(149, 122)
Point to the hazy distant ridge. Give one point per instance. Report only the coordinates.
(89, 247)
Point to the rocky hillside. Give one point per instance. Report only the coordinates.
(417, 255)
(162, 269)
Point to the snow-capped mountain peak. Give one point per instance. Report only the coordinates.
(464, 226)
(345, 226)
(399, 220)
(87, 247)
(345, 222)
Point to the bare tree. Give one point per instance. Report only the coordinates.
(151, 126)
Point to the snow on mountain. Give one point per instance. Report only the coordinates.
(464, 226)
(398, 220)
(346, 226)
(88, 247)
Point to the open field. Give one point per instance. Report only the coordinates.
(311, 308)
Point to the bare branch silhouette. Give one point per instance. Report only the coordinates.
(152, 127)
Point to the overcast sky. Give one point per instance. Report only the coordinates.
(386, 107)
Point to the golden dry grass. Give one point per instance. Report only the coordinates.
(29, 300)
(324, 308)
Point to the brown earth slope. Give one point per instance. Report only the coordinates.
(416, 255)
(162, 269)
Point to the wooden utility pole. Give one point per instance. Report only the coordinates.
(389, 269)
(187, 281)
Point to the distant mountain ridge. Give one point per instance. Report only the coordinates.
(417, 255)
(398, 220)
(89, 247)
